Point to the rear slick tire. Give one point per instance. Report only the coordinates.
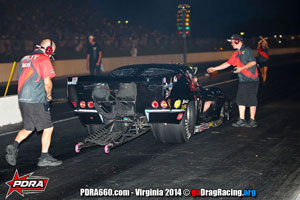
(177, 133)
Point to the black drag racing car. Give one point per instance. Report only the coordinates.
(131, 100)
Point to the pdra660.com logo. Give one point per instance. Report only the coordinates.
(26, 184)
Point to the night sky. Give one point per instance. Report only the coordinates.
(210, 18)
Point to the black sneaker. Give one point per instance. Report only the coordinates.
(252, 123)
(11, 154)
(241, 123)
(49, 161)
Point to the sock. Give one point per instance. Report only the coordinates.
(44, 155)
(15, 144)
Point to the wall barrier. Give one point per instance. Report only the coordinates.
(9, 110)
(77, 66)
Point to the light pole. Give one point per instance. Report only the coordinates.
(184, 48)
(183, 25)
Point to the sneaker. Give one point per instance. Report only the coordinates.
(241, 123)
(11, 154)
(252, 123)
(49, 161)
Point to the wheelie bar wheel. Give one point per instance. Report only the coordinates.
(107, 148)
(77, 147)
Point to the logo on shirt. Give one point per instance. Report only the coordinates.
(25, 65)
(30, 58)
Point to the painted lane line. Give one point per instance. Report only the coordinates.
(64, 120)
(55, 122)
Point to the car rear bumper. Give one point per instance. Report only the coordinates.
(164, 115)
(89, 116)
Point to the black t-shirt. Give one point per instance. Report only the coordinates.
(93, 51)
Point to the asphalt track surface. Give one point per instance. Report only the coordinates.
(265, 159)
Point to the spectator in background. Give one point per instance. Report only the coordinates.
(94, 55)
(134, 52)
(263, 57)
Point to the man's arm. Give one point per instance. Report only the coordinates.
(99, 58)
(87, 61)
(219, 67)
(48, 88)
(259, 44)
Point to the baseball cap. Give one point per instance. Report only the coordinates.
(235, 37)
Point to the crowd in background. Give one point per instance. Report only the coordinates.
(25, 23)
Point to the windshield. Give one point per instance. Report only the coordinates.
(124, 72)
(142, 72)
(156, 72)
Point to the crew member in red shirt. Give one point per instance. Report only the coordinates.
(34, 94)
(244, 62)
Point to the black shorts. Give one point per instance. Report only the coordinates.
(247, 93)
(35, 116)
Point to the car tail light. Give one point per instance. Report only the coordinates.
(82, 104)
(177, 103)
(74, 103)
(154, 104)
(90, 104)
(163, 104)
(179, 116)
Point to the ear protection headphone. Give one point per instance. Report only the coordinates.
(236, 40)
(48, 49)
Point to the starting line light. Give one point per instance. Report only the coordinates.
(183, 19)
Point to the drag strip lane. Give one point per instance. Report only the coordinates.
(266, 159)
(55, 122)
